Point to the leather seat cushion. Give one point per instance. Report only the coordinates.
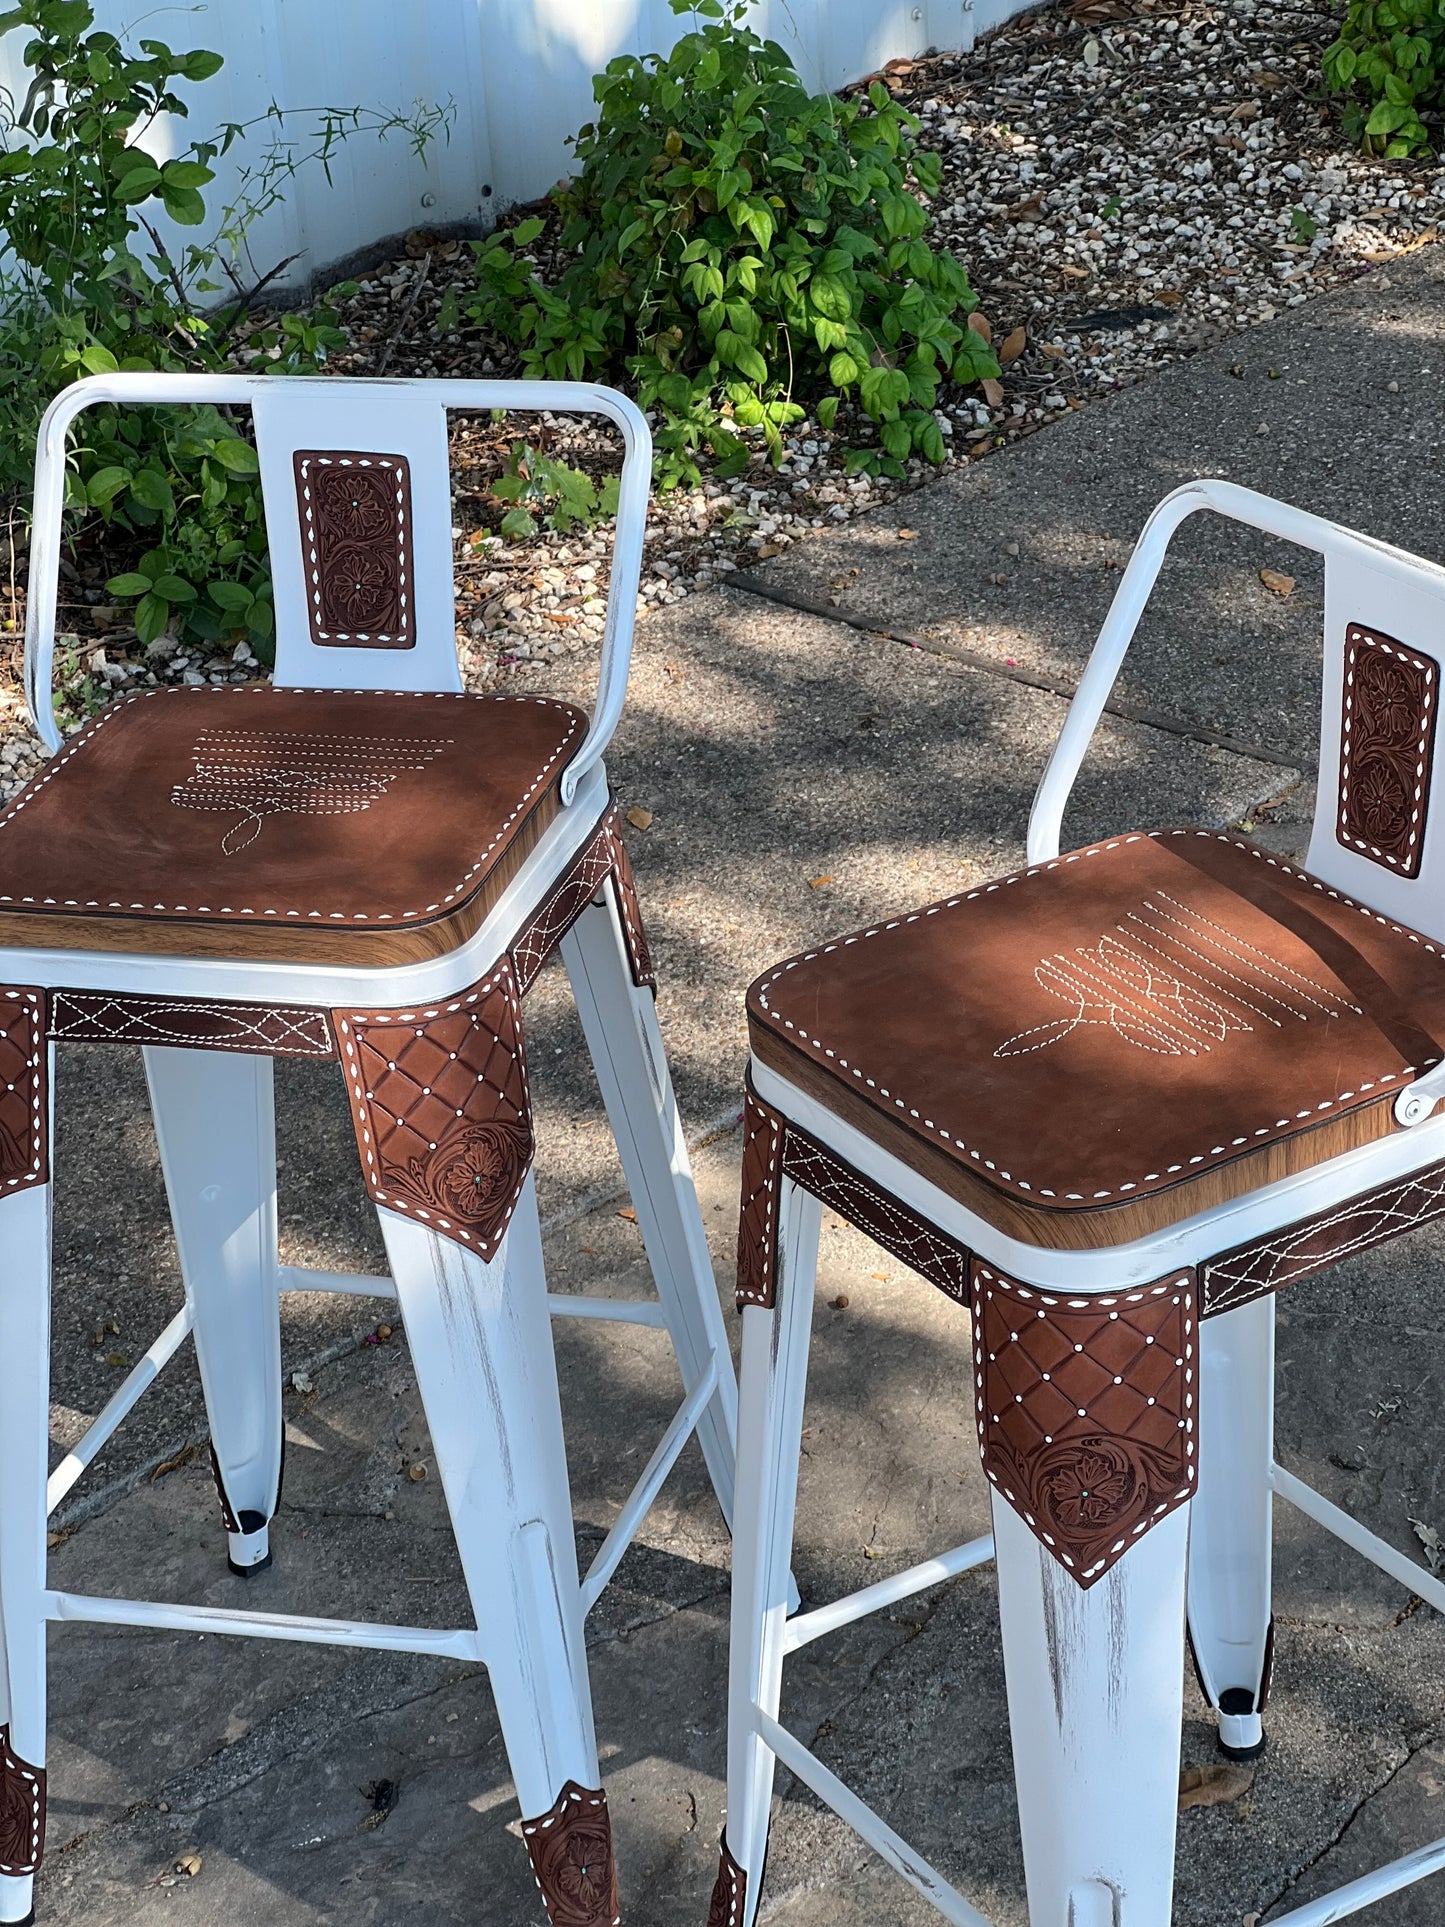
(261, 805)
(1122, 1020)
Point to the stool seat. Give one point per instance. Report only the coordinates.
(333, 826)
(1109, 1042)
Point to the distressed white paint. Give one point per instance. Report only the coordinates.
(518, 71)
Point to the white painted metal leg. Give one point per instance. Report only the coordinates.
(774, 1384)
(1231, 1520)
(620, 1024)
(216, 1128)
(1095, 1691)
(480, 1338)
(24, 1437)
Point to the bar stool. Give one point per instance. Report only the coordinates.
(1112, 1104)
(358, 862)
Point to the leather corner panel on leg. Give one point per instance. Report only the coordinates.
(571, 1853)
(730, 1890)
(22, 1811)
(603, 855)
(639, 953)
(442, 1114)
(24, 1112)
(912, 1240)
(1086, 1411)
(758, 1216)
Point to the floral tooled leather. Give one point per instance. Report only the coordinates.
(1387, 739)
(22, 1811)
(1086, 1411)
(571, 1852)
(730, 1890)
(356, 536)
(439, 1100)
(24, 1132)
(758, 1218)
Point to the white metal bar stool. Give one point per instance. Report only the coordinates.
(362, 862)
(1112, 1104)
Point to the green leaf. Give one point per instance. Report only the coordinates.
(102, 488)
(749, 362)
(831, 297)
(186, 174)
(827, 411)
(151, 489)
(201, 64)
(518, 524)
(238, 456)
(928, 439)
(897, 438)
(233, 597)
(184, 204)
(526, 232)
(98, 360)
(152, 614)
(174, 588)
(128, 584)
(138, 184)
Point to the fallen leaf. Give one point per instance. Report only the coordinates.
(903, 535)
(980, 326)
(817, 883)
(1213, 1786)
(1013, 346)
(1270, 82)
(173, 1465)
(1171, 297)
(993, 393)
(869, 1553)
(189, 1864)
(417, 1473)
(1430, 1540)
(383, 1332)
(1277, 583)
(1246, 110)
(881, 1276)
(116, 1359)
(302, 1382)
(54, 1539)
(639, 818)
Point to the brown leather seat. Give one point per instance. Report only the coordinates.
(256, 822)
(1112, 1041)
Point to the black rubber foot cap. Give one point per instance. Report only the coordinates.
(248, 1572)
(1243, 1752)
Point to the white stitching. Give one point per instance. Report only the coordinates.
(333, 636)
(37, 1098)
(37, 785)
(1302, 878)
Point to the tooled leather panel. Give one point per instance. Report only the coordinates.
(605, 854)
(439, 1100)
(1387, 735)
(729, 1890)
(24, 1120)
(274, 1030)
(22, 1811)
(1254, 1270)
(758, 1215)
(639, 952)
(571, 1853)
(1086, 1411)
(910, 1239)
(355, 514)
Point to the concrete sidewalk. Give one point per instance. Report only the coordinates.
(804, 775)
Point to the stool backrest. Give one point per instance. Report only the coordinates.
(355, 478)
(1379, 824)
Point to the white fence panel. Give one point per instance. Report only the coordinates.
(517, 72)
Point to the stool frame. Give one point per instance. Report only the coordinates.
(1092, 1634)
(474, 1304)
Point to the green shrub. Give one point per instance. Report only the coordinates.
(92, 288)
(739, 247)
(1390, 59)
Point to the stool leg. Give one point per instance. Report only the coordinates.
(24, 1438)
(774, 1385)
(1095, 1694)
(216, 1129)
(1230, 1626)
(481, 1344)
(620, 1024)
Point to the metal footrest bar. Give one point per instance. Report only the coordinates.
(639, 1503)
(360, 1284)
(886, 1592)
(456, 1644)
(1370, 1887)
(139, 1379)
(866, 1824)
(1398, 1564)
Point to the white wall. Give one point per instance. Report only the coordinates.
(518, 71)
